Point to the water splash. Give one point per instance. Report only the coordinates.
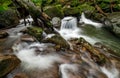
(83, 19)
(64, 70)
(111, 73)
(32, 60)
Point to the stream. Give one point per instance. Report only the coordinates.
(40, 65)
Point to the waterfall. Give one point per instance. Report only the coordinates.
(83, 19)
(69, 23)
(70, 30)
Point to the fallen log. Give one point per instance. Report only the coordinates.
(35, 13)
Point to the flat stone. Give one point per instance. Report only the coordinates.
(7, 64)
(27, 38)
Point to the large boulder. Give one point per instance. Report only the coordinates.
(8, 18)
(7, 64)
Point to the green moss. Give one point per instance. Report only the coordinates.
(86, 7)
(71, 11)
(54, 11)
(36, 32)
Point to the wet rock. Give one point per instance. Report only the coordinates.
(116, 29)
(27, 38)
(8, 18)
(115, 20)
(21, 75)
(35, 31)
(7, 64)
(58, 40)
(96, 55)
(54, 11)
(3, 34)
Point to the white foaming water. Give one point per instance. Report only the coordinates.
(28, 20)
(111, 73)
(70, 30)
(83, 19)
(65, 67)
(31, 60)
(49, 35)
(69, 23)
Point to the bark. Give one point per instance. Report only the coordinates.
(35, 13)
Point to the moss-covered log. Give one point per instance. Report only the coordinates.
(36, 13)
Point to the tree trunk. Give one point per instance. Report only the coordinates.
(35, 13)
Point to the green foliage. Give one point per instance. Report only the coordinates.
(37, 2)
(105, 5)
(74, 3)
(4, 4)
(86, 7)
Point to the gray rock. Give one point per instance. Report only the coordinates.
(56, 21)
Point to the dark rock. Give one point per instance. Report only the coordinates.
(3, 34)
(7, 64)
(8, 18)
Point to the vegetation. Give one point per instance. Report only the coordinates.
(105, 5)
(4, 4)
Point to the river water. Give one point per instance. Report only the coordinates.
(42, 66)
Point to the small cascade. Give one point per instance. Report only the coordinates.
(69, 23)
(83, 19)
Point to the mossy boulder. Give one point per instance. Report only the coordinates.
(8, 18)
(36, 32)
(54, 11)
(57, 40)
(95, 54)
(7, 64)
(68, 11)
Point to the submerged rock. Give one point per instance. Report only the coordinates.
(8, 18)
(7, 64)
